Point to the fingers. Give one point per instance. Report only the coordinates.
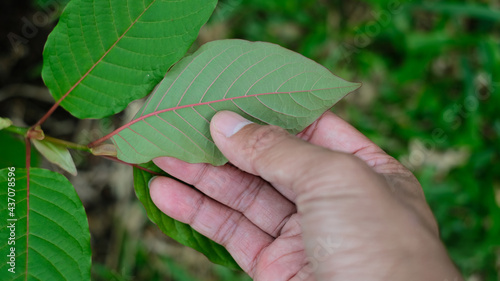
(225, 226)
(332, 132)
(245, 193)
(282, 159)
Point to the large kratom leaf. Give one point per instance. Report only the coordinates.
(261, 81)
(104, 54)
(181, 232)
(52, 233)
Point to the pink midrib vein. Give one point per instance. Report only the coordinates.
(115, 132)
(58, 102)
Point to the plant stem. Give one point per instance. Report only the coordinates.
(67, 144)
(51, 110)
(24, 132)
(17, 130)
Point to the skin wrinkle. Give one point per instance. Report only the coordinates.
(278, 230)
(266, 217)
(278, 259)
(411, 195)
(256, 260)
(311, 197)
(200, 175)
(259, 151)
(292, 227)
(362, 247)
(198, 206)
(210, 185)
(274, 258)
(248, 196)
(227, 230)
(322, 178)
(255, 194)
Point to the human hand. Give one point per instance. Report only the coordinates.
(326, 205)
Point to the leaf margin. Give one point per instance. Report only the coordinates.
(175, 229)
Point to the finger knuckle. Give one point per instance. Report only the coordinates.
(226, 231)
(264, 138)
(351, 162)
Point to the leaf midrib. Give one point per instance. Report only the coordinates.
(117, 131)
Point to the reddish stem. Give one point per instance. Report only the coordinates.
(53, 108)
(110, 135)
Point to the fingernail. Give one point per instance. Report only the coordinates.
(151, 180)
(229, 123)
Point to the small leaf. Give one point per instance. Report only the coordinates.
(261, 81)
(104, 54)
(181, 232)
(4, 123)
(56, 154)
(54, 238)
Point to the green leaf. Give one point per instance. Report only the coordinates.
(103, 54)
(4, 123)
(261, 81)
(56, 154)
(181, 232)
(54, 238)
(12, 149)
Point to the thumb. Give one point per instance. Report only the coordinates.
(280, 158)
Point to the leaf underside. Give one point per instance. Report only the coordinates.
(58, 236)
(56, 154)
(181, 232)
(261, 81)
(104, 54)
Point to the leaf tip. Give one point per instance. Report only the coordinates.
(356, 85)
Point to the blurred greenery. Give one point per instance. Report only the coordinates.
(431, 75)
